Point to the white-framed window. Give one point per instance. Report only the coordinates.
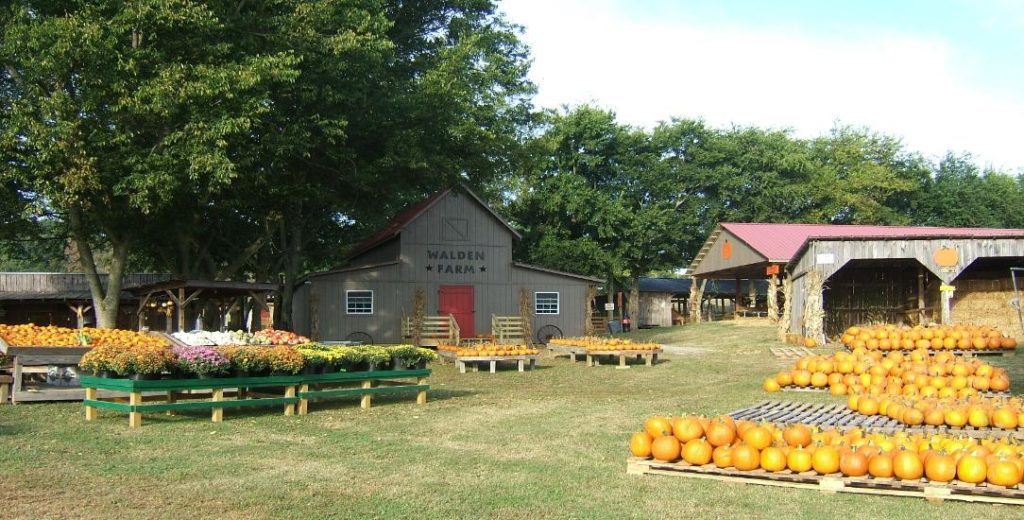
(545, 302)
(359, 302)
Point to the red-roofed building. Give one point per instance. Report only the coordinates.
(874, 273)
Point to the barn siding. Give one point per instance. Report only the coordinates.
(386, 252)
(477, 250)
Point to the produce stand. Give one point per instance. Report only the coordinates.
(835, 483)
(293, 390)
(795, 388)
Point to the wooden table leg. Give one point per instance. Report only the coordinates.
(622, 360)
(590, 360)
(289, 391)
(572, 357)
(90, 411)
(494, 365)
(303, 402)
(367, 399)
(134, 418)
(521, 363)
(649, 358)
(218, 413)
(654, 358)
(462, 367)
(171, 399)
(421, 396)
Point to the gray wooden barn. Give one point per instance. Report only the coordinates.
(840, 275)
(458, 252)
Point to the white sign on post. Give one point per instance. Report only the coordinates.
(609, 306)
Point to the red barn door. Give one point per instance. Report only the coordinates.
(458, 301)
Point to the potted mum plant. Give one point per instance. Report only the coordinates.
(204, 362)
(285, 360)
(403, 357)
(372, 357)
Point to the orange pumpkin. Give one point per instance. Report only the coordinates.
(797, 435)
(825, 460)
(1003, 473)
(720, 433)
(758, 437)
(697, 452)
(687, 428)
(799, 460)
(770, 385)
(907, 466)
(972, 469)
(658, 426)
(880, 465)
(665, 448)
(745, 457)
(773, 459)
(940, 468)
(640, 444)
(722, 456)
(853, 464)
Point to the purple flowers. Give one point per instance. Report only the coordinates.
(202, 361)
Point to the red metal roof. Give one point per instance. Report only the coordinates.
(780, 242)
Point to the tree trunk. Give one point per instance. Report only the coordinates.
(106, 301)
(634, 302)
(291, 238)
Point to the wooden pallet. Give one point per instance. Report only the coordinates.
(790, 352)
(835, 483)
(842, 418)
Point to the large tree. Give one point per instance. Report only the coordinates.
(112, 108)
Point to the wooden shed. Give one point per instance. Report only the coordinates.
(61, 299)
(847, 274)
(455, 251)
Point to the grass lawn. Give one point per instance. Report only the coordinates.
(547, 444)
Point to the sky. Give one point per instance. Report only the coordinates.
(942, 75)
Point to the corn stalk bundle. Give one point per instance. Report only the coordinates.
(787, 308)
(814, 312)
(526, 313)
(588, 324)
(419, 310)
(773, 299)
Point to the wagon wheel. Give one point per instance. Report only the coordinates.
(361, 337)
(547, 332)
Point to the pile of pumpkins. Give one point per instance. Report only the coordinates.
(934, 337)
(489, 350)
(978, 412)
(599, 344)
(872, 372)
(799, 448)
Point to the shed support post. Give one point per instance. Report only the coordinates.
(947, 307)
(920, 295)
(737, 303)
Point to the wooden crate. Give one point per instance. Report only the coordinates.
(835, 483)
(842, 418)
(34, 360)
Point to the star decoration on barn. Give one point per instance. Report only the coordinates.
(430, 268)
(483, 268)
